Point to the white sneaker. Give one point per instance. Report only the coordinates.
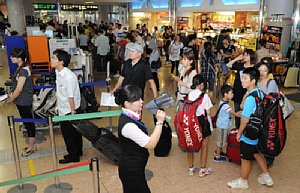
(238, 183)
(192, 171)
(265, 180)
(205, 171)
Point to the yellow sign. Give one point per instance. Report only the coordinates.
(251, 44)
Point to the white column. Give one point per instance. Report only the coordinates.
(281, 7)
(28, 7)
(16, 15)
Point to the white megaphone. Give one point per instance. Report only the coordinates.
(164, 100)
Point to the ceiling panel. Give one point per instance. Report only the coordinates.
(82, 2)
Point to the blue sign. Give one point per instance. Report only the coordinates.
(239, 2)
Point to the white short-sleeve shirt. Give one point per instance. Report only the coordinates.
(206, 102)
(66, 86)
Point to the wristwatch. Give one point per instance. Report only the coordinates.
(158, 123)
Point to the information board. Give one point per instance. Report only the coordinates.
(69, 45)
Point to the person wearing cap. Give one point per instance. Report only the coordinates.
(136, 71)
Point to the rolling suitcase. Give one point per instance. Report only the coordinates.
(108, 144)
(87, 129)
(233, 147)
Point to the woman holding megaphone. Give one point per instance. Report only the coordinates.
(134, 139)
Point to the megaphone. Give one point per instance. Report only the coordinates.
(164, 100)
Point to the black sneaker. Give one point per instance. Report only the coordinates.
(69, 160)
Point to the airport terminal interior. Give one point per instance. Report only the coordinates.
(164, 174)
(169, 173)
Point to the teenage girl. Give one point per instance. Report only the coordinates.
(202, 114)
(184, 82)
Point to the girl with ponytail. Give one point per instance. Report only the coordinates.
(22, 92)
(202, 113)
(184, 81)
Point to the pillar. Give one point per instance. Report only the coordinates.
(28, 8)
(103, 13)
(296, 20)
(281, 7)
(16, 15)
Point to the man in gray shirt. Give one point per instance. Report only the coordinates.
(102, 44)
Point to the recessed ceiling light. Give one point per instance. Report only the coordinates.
(89, 2)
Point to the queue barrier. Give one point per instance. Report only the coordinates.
(81, 85)
(18, 120)
(92, 165)
(20, 180)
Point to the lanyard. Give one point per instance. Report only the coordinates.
(135, 120)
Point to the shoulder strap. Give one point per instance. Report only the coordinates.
(217, 113)
(268, 83)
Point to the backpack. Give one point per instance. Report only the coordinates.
(121, 55)
(267, 124)
(215, 117)
(188, 129)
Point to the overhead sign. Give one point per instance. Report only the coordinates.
(44, 6)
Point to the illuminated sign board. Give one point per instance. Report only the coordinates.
(44, 6)
(65, 7)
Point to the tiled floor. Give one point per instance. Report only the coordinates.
(170, 173)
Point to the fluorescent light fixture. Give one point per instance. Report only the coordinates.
(225, 13)
(89, 2)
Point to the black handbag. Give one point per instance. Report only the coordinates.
(156, 64)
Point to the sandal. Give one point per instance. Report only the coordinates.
(28, 152)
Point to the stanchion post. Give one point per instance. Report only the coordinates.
(11, 124)
(108, 90)
(95, 170)
(53, 149)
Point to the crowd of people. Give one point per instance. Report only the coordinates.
(135, 58)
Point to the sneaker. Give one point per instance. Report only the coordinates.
(265, 180)
(116, 75)
(238, 183)
(192, 171)
(222, 154)
(205, 171)
(218, 159)
(27, 152)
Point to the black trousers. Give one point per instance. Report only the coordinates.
(26, 112)
(156, 80)
(72, 138)
(175, 65)
(101, 62)
(133, 180)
